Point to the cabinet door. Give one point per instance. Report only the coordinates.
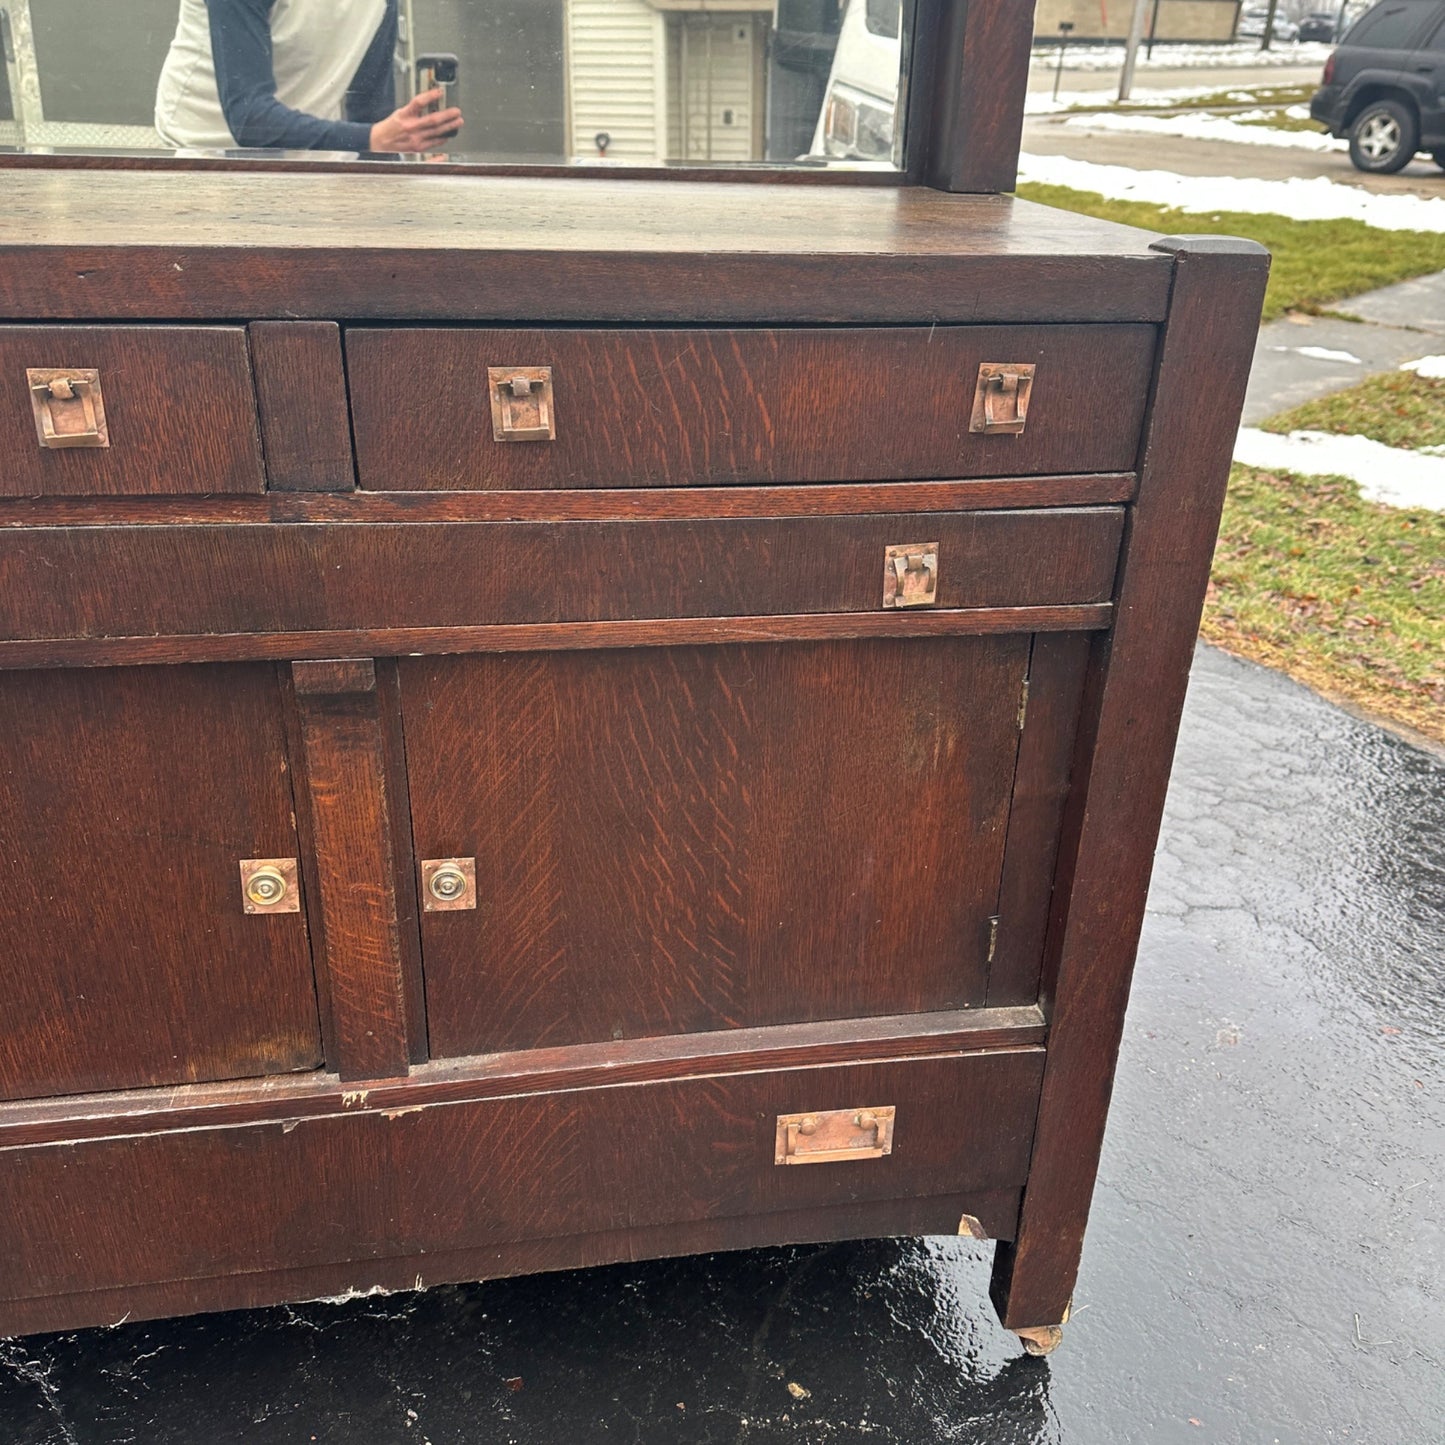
(671, 840)
(130, 796)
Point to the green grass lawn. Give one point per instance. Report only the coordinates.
(1346, 595)
(1397, 408)
(1316, 263)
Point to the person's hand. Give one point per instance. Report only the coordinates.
(414, 128)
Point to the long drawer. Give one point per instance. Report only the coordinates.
(159, 580)
(473, 409)
(376, 1183)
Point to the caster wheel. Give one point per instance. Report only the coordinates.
(1041, 1339)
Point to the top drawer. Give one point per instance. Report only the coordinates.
(127, 411)
(435, 409)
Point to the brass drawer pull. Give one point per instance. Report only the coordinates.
(448, 884)
(69, 409)
(521, 403)
(268, 885)
(910, 575)
(835, 1135)
(1001, 398)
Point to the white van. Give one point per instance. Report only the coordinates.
(857, 120)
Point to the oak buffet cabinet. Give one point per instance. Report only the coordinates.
(549, 719)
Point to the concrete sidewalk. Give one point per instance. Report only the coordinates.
(1398, 323)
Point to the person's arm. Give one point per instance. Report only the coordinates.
(372, 94)
(246, 79)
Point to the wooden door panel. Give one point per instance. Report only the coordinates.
(693, 838)
(129, 797)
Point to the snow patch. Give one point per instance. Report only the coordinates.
(1245, 55)
(1432, 368)
(1204, 125)
(1315, 199)
(1391, 475)
(1322, 353)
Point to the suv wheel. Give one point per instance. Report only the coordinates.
(1384, 137)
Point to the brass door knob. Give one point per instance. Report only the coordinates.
(448, 884)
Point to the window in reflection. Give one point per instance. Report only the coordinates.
(632, 82)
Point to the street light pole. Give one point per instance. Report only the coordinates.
(1131, 48)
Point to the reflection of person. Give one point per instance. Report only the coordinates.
(291, 75)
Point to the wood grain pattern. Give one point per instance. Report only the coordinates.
(1056, 680)
(1130, 718)
(969, 137)
(385, 1184)
(996, 1209)
(346, 774)
(129, 799)
(301, 398)
(551, 636)
(589, 505)
(152, 246)
(160, 581)
(178, 400)
(710, 838)
(695, 407)
(528, 1071)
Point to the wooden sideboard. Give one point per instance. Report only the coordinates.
(548, 720)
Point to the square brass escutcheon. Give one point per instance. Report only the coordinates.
(69, 409)
(521, 403)
(910, 575)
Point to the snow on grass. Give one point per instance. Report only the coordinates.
(1315, 199)
(1041, 102)
(1432, 368)
(1246, 54)
(1391, 475)
(1203, 125)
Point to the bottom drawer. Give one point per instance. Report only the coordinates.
(368, 1184)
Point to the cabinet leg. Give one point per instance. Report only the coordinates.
(1018, 1298)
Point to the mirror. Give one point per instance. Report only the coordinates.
(533, 82)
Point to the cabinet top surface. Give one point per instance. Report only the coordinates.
(369, 211)
(123, 244)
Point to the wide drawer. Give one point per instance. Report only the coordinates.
(159, 580)
(374, 1183)
(698, 407)
(127, 411)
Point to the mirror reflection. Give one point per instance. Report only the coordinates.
(549, 82)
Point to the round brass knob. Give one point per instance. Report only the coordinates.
(865, 1120)
(266, 887)
(448, 884)
(808, 1126)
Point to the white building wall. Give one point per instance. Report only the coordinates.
(617, 78)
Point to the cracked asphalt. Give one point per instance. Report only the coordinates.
(1265, 1257)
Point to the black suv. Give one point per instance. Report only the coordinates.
(1384, 87)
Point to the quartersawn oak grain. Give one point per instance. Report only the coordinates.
(179, 405)
(691, 407)
(677, 843)
(129, 799)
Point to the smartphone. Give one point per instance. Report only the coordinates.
(438, 72)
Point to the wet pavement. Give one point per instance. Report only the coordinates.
(1264, 1262)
